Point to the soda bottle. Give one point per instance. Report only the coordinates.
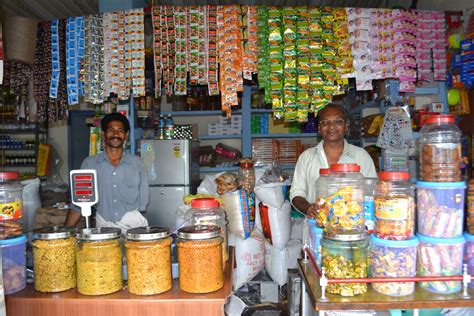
(160, 128)
(169, 127)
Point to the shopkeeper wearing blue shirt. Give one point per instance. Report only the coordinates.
(333, 124)
(122, 179)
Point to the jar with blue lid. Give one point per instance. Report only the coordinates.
(469, 255)
(440, 257)
(393, 259)
(14, 264)
(440, 208)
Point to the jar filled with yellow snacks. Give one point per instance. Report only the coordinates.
(99, 261)
(54, 255)
(344, 205)
(148, 251)
(200, 259)
(345, 256)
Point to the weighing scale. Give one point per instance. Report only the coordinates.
(84, 191)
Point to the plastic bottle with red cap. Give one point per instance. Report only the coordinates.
(344, 200)
(11, 205)
(394, 206)
(440, 150)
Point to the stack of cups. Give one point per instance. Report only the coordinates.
(440, 201)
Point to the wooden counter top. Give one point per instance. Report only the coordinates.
(71, 303)
(376, 301)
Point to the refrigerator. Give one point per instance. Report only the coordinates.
(173, 172)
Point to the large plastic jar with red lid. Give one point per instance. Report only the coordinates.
(344, 205)
(11, 205)
(394, 206)
(440, 150)
(320, 198)
(207, 211)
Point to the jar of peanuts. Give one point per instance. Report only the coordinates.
(54, 255)
(200, 259)
(148, 252)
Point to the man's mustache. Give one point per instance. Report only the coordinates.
(115, 137)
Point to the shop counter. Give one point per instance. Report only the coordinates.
(71, 303)
(373, 300)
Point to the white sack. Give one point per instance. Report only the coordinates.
(276, 223)
(240, 210)
(297, 225)
(249, 258)
(277, 262)
(270, 194)
(31, 201)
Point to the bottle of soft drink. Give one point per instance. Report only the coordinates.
(169, 127)
(160, 128)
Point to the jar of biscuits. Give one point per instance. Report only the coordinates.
(394, 206)
(54, 255)
(99, 261)
(440, 150)
(148, 251)
(200, 259)
(11, 205)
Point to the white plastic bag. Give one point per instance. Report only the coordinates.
(277, 261)
(249, 258)
(240, 210)
(31, 201)
(270, 194)
(276, 223)
(297, 228)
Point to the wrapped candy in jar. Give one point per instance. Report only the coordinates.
(320, 186)
(440, 208)
(200, 259)
(148, 251)
(206, 211)
(54, 255)
(394, 206)
(344, 200)
(392, 259)
(345, 256)
(440, 257)
(440, 149)
(99, 261)
(469, 255)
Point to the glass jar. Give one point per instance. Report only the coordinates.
(99, 261)
(315, 234)
(54, 255)
(394, 206)
(440, 150)
(440, 257)
(14, 264)
(345, 256)
(369, 205)
(206, 211)
(345, 200)
(320, 199)
(11, 205)
(200, 259)
(393, 259)
(247, 176)
(469, 255)
(148, 252)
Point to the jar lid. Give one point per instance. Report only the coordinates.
(147, 233)
(324, 171)
(469, 237)
(10, 175)
(199, 232)
(443, 118)
(440, 185)
(435, 240)
(345, 167)
(204, 203)
(99, 233)
(394, 176)
(246, 165)
(349, 236)
(410, 242)
(14, 241)
(54, 232)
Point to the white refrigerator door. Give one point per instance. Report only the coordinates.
(163, 204)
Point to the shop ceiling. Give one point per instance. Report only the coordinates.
(60, 9)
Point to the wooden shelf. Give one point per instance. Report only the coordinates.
(218, 169)
(376, 301)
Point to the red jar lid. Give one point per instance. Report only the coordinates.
(246, 165)
(394, 176)
(444, 118)
(204, 203)
(324, 171)
(10, 175)
(345, 167)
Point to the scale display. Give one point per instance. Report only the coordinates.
(84, 191)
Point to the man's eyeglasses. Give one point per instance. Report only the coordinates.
(337, 122)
